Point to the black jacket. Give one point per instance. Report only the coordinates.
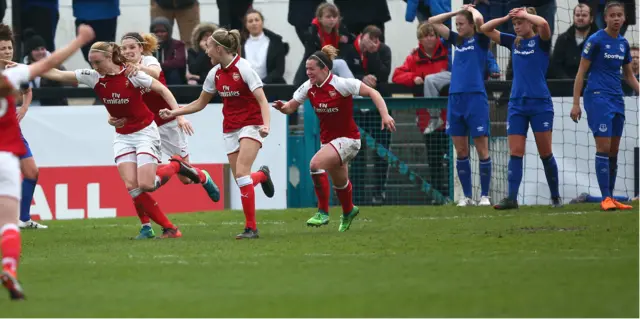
(378, 64)
(372, 12)
(566, 54)
(199, 64)
(301, 12)
(175, 4)
(275, 58)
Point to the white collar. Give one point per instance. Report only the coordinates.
(258, 37)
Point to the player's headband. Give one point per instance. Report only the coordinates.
(323, 59)
(134, 38)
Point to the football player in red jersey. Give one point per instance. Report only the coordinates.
(27, 162)
(246, 117)
(138, 49)
(12, 147)
(137, 141)
(332, 100)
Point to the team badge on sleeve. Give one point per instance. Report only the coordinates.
(587, 47)
(621, 47)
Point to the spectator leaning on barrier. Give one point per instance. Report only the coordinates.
(426, 71)
(198, 61)
(35, 50)
(185, 12)
(568, 48)
(325, 29)
(264, 49)
(171, 54)
(369, 59)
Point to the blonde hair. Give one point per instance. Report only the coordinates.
(147, 41)
(324, 58)
(530, 10)
(424, 30)
(110, 49)
(229, 40)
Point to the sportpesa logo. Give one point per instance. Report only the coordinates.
(613, 56)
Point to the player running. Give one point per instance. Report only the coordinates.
(137, 141)
(468, 106)
(28, 165)
(605, 52)
(138, 50)
(246, 118)
(530, 101)
(332, 99)
(12, 148)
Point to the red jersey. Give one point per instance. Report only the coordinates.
(333, 103)
(235, 83)
(10, 134)
(154, 101)
(121, 96)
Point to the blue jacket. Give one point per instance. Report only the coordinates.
(436, 6)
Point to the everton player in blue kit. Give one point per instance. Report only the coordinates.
(468, 107)
(530, 101)
(605, 52)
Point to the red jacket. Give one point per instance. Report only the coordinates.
(332, 38)
(418, 64)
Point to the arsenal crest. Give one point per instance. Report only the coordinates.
(332, 93)
(236, 76)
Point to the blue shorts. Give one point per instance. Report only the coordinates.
(537, 112)
(605, 114)
(26, 145)
(468, 114)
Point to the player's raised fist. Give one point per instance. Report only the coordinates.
(86, 33)
(165, 114)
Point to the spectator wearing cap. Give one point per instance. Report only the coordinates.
(264, 49)
(185, 12)
(567, 50)
(35, 50)
(198, 61)
(369, 59)
(171, 53)
(102, 16)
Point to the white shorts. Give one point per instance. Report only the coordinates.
(145, 141)
(174, 140)
(232, 140)
(346, 147)
(10, 184)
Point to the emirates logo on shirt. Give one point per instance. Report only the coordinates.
(226, 92)
(324, 108)
(115, 100)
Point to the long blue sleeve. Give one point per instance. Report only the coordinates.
(412, 8)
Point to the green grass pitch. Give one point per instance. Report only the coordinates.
(393, 262)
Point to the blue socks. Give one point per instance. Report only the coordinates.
(485, 176)
(613, 172)
(464, 174)
(515, 176)
(28, 187)
(551, 172)
(602, 172)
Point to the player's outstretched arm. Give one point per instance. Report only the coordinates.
(193, 107)
(85, 34)
(286, 107)
(629, 77)
(376, 98)
(264, 110)
(578, 84)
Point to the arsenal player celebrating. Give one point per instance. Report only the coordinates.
(332, 100)
(138, 50)
(137, 141)
(246, 117)
(12, 147)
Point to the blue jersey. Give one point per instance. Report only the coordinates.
(530, 63)
(469, 63)
(607, 56)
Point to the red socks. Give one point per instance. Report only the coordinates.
(344, 195)
(321, 183)
(11, 245)
(258, 177)
(146, 203)
(248, 197)
(166, 171)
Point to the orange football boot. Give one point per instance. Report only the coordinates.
(608, 204)
(621, 206)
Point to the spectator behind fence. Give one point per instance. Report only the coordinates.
(325, 29)
(35, 50)
(300, 15)
(358, 15)
(102, 16)
(198, 61)
(42, 16)
(369, 60)
(427, 71)
(264, 49)
(171, 54)
(635, 55)
(185, 12)
(568, 48)
(597, 7)
(231, 13)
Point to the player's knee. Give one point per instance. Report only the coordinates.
(147, 187)
(315, 165)
(31, 173)
(516, 151)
